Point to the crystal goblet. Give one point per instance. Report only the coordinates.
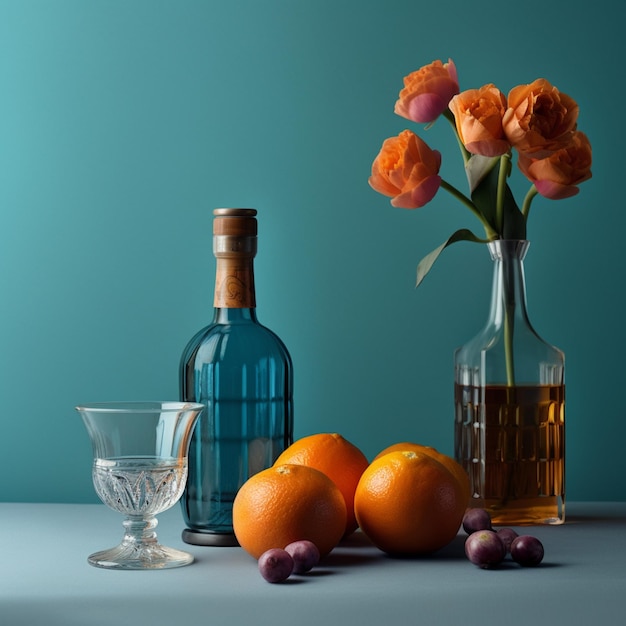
(140, 469)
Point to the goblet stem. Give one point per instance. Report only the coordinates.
(139, 531)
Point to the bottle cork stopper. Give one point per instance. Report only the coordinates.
(235, 222)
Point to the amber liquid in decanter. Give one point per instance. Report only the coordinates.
(511, 443)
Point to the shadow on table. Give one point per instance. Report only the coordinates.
(617, 520)
(600, 513)
(358, 549)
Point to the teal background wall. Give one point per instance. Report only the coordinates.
(124, 123)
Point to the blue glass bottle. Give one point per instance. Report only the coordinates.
(243, 373)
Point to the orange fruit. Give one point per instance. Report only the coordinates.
(449, 462)
(287, 503)
(336, 457)
(409, 503)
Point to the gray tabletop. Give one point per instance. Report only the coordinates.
(45, 578)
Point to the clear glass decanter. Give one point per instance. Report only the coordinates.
(510, 406)
(243, 373)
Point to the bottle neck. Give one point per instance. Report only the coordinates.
(508, 295)
(234, 316)
(234, 247)
(234, 283)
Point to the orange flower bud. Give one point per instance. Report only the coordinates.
(478, 117)
(539, 118)
(427, 92)
(557, 175)
(407, 170)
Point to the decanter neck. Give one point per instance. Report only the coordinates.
(509, 287)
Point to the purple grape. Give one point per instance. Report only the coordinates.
(527, 550)
(305, 555)
(476, 519)
(485, 549)
(507, 535)
(275, 565)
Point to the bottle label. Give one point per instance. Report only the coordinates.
(234, 287)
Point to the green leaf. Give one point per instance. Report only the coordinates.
(514, 221)
(428, 261)
(485, 197)
(477, 167)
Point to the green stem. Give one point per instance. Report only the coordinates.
(491, 234)
(464, 153)
(532, 192)
(500, 194)
(508, 345)
(510, 285)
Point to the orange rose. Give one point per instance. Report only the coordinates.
(478, 116)
(539, 118)
(407, 170)
(557, 175)
(427, 92)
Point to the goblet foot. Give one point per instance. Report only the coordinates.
(153, 556)
(140, 549)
